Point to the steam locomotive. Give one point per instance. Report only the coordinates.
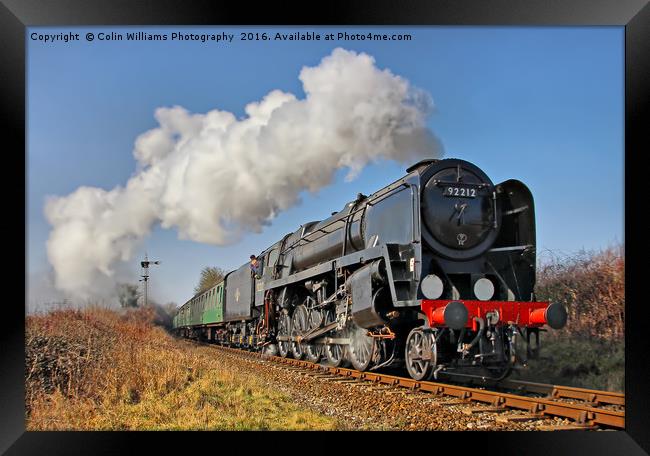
(434, 272)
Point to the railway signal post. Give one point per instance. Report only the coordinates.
(145, 274)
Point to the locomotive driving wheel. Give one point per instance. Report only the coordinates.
(421, 353)
(361, 349)
(336, 353)
(314, 351)
(299, 326)
(284, 329)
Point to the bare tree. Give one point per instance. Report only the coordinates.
(210, 276)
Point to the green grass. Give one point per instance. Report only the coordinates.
(578, 361)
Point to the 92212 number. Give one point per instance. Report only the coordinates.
(462, 192)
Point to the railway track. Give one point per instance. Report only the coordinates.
(584, 408)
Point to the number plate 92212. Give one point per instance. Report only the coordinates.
(460, 192)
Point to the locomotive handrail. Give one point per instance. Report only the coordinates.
(515, 247)
(465, 184)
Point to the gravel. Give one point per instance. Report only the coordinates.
(365, 406)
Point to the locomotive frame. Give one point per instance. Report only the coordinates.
(434, 272)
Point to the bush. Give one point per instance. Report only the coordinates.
(589, 351)
(592, 287)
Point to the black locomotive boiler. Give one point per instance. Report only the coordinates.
(435, 272)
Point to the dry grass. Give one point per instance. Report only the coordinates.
(97, 369)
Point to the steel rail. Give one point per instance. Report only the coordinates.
(581, 413)
(566, 392)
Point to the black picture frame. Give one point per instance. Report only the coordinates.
(634, 15)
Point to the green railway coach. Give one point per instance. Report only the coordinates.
(202, 311)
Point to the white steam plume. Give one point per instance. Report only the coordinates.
(213, 176)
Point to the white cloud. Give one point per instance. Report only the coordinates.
(212, 176)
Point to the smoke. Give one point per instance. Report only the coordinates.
(213, 177)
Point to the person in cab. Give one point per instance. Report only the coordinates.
(256, 269)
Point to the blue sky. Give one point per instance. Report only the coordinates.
(543, 105)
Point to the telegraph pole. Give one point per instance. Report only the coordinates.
(145, 274)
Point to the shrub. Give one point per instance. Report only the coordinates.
(589, 351)
(592, 287)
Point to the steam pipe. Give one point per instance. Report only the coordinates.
(479, 333)
(466, 348)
